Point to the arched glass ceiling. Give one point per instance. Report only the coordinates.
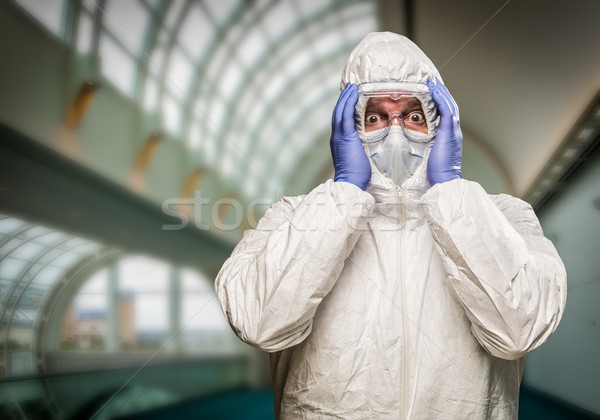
(248, 87)
(33, 259)
(42, 270)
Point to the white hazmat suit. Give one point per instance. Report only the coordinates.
(397, 302)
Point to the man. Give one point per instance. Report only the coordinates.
(397, 290)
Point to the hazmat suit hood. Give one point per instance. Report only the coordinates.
(384, 57)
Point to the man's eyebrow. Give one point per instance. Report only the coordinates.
(414, 104)
(374, 108)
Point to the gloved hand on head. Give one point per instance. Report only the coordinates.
(445, 158)
(349, 157)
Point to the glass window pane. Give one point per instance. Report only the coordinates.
(116, 65)
(279, 19)
(194, 138)
(210, 143)
(96, 285)
(310, 7)
(143, 302)
(172, 114)
(48, 276)
(220, 10)
(49, 238)
(151, 316)
(193, 281)
(202, 311)
(274, 88)
(84, 324)
(5, 284)
(9, 225)
(86, 249)
(47, 12)
(173, 13)
(21, 361)
(126, 304)
(179, 73)
(24, 317)
(67, 259)
(11, 268)
(154, 4)
(143, 274)
(150, 94)
(230, 79)
(127, 21)
(85, 33)
(361, 25)
(217, 113)
(358, 11)
(206, 329)
(10, 245)
(156, 65)
(199, 108)
(90, 5)
(254, 113)
(50, 256)
(298, 62)
(196, 32)
(252, 47)
(32, 300)
(36, 231)
(214, 67)
(328, 43)
(250, 187)
(28, 250)
(226, 167)
(75, 243)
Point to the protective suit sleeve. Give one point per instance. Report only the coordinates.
(506, 274)
(272, 284)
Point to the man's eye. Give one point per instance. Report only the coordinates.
(372, 119)
(416, 117)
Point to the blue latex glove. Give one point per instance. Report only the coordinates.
(445, 159)
(349, 157)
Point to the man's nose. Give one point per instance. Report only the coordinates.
(395, 120)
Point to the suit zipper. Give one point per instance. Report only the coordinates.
(402, 310)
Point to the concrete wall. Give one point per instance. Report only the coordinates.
(568, 365)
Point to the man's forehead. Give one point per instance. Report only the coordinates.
(388, 103)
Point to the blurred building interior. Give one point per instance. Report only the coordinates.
(139, 139)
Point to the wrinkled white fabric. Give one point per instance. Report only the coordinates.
(399, 302)
(389, 57)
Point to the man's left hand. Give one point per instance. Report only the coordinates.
(445, 159)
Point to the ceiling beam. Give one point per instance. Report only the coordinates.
(43, 186)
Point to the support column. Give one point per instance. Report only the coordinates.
(175, 344)
(112, 308)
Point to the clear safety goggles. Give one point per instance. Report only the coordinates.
(382, 106)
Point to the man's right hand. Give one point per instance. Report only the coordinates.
(349, 157)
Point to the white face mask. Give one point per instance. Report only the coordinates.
(395, 155)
